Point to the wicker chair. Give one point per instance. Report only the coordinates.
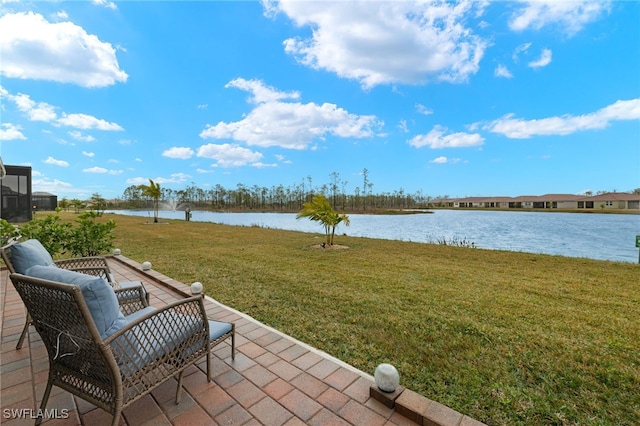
(112, 372)
(128, 292)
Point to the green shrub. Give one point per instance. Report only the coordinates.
(90, 238)
(50, 231)
(8, 232)
(87, 238)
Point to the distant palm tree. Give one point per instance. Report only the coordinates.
(320, 210)
(154, 192)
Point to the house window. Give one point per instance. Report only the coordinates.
(608, 203)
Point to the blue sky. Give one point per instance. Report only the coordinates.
(461, 99)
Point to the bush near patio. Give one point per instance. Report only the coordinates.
(88, 237)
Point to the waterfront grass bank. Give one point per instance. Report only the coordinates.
(505, 337)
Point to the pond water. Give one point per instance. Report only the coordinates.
(594, 236)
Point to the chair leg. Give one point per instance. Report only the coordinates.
(233, 341)
(209, 365)
(116, 418)
(179, 391)
(45, 398)
(25, 330)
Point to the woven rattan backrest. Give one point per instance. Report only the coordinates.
(61, 317)
(6, 256)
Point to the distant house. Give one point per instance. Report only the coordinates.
(44, 201)
(610, 200)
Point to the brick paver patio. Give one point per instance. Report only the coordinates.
(274, 379)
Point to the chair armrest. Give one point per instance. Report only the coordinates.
(132, 298)
(90, 270)
(83, 262)
(171, 337)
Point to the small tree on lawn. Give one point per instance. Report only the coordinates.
(154, 192)
(320, 210)
(98, 203)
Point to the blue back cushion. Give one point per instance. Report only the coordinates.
(98, 294)
(29, 253)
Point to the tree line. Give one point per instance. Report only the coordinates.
(274, 198)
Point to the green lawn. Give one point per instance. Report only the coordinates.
(507, 338)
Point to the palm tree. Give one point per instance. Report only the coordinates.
(154, 192)
(320, 210)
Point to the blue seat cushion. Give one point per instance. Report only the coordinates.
(98, 294)
(29, 253)
(218, 329)
(139, 346)
(156, 336)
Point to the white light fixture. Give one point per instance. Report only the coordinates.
(387, 377)
(117, 252)
(196, 288)
(146, 266)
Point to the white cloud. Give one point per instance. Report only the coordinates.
(55, 186)
(502, 71)
(138, 181)
(445, 160)
(229, 155)
(53, 161)
(108, 4)
(10, 132)
(436, 138)
(33, 48)
(517, 128)
(402, 125)
(386, 42)
(88, 154)
(175, 178)
(291, 125)
(568, 16)
(178, 152)
(423, 109)
(80, 137)
(36, 111)
(99, 170)
(520, 49)
(85, 121)
(260, 92)
(543, 61)
(282, 159)
(102, 170)
(42, 111)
